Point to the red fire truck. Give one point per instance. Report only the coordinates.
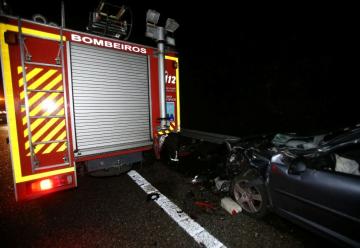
(73, 96)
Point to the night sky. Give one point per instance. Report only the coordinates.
(251, 69)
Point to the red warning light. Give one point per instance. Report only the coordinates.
(46, 184)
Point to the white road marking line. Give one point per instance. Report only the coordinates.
(197, 232)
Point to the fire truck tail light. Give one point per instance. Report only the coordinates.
(51, 183)
(46, 184)
(42, 185)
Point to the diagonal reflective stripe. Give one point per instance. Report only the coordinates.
(37, 149)
(30, 75)
(54, 108)
(38, 122)
(62, 148)
(40, 132)
(62, 112)
(37, 110)
(38, 95)
(40, 81)
(53, 145)
(44, 129)
(19, 69)
(54, 131)
(54, 82)
(40, 107)
(51, 135)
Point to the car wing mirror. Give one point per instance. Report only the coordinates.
(297, 168)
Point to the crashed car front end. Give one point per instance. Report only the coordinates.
(243, 154)
(311, 180)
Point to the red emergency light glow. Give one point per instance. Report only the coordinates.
(42, 185)
(51, 183)
(46, 184)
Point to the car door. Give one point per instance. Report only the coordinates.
(326, 201)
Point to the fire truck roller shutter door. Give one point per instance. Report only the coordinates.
(111, 99)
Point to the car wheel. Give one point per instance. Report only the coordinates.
(250, 196)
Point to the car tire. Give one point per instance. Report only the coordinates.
(169, 151)
(252, 198)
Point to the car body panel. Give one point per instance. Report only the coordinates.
(327, 201)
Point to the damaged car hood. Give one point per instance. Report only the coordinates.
(322, 143)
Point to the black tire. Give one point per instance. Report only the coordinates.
(252, 198)
(170, 149)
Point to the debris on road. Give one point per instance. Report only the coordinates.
(152, 197)
(209, 207)
(230, 206)
(198, 179)
(222, 185)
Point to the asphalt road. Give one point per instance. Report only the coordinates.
(114, 212)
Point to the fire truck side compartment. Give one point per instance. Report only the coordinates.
(110, 100)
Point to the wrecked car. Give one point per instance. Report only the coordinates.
(313, 181)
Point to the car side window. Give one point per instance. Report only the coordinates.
(344, 160)
(326, 163)
(348, 160)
